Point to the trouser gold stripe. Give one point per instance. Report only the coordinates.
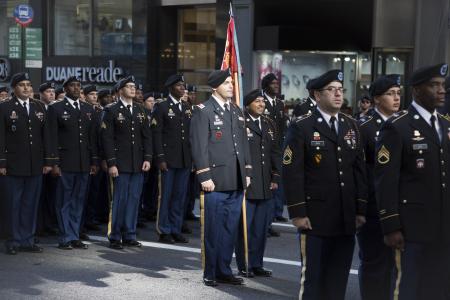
(398, 265)
(202, 227)
(111, 197)
(303, 276)
(159, 202)
(245, 231)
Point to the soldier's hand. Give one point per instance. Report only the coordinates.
(2, 171)
(56, 171)
(46, 169)
(273, 186)
(247, 180)
(208, 185)
(395, 240)
(94, 170)
(360, 221)
(146, 166)
(113, 171)
(163, 166)
(302, 223)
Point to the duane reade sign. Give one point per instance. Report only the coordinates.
(5, 69)
(108, 74)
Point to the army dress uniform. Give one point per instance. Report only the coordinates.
(127, 143)
(170, 126)
(24, 150)
(265, 161)
(324, 180)
(74, 133)
(308, 105)
(220, 153)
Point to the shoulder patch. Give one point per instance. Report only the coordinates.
(348, 116)
(365, 120)
(303, 117)
(56, 101)
(398, 115)
(446, 117)
(201, 106)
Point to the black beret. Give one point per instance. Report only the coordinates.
(89, 88)
(326, 78)
(364, 97)
(191, 88)
(218, 77)
(383, 83)
(150, 94)
(4, 89)
(250, 97)
(59, 91)
(46, 86)
(309, 83)
(139, 86)
(18, 77)
(122, 82)
(267, 80)
(103, 93)
(426, 73)
(173, 79)
(71, 79)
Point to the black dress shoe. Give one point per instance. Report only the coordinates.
(65, 246)
(190, 216)
(166, 239)
(79, 244)
(84, 236)
(248, 274)
(210, 282)
(230, 280)
(273, 233)
(178, 238)
(281, 219)
(117, 245)
(11, 250)
(131, 243)
(262, 272)
(185, 229)
(32, 248)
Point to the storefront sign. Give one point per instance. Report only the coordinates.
(23, 14)
(14, 42)
(5, 69)
(33, 48)
(109, 74)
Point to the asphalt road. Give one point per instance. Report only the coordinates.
(155, 271)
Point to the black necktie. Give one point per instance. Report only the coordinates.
(25, 107)
(433, 124)
(75, 104)
(129, 109)
(333, 126)
(227, 108)
(257, 123)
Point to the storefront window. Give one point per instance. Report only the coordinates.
(113, 27)
(6, 22)
(197, 47)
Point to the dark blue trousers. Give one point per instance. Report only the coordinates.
(259, 216)
(424, 272)
(193, 192)
(278, 201)
(70, 199)
(127, 188)
(376, 262)
(221, 212)
(326, 263)
(46, 211)
(170, 216)
(22, 197)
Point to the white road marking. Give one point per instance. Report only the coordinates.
(196, 250)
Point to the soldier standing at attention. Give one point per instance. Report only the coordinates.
(222, 162)
(412, 183)
(325, 183)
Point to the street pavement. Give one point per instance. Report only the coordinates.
(155, 271)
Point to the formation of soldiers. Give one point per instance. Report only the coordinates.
(382, 179)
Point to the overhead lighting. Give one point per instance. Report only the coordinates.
(347, 58)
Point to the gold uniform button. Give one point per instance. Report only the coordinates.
(341, 173)
(443, 185)
(404, 201)
(342, 184)
(81, 141)
(338, 148)
(339, 159)
(31, 143)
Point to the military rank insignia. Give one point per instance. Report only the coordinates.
(317, 158)
(287, 156)
(154, 122)
(383, 155)
(40, 116)
(171, 113)
(103, 125)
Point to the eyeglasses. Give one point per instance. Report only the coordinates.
(393, 93)
(334, 89)
(130, 86)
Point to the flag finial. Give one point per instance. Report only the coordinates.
(231, 10)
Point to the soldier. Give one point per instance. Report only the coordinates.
(139, 98)
(59, 94)
(222, 161)
(308, 105)
(47, 93)
(170, 124)
(364, 107)
(74, 136)
(127, 145)
(265, 155)
(412, 182)
(25, 154)
(90, 92)
(376, 259)
(104, 97)
(4, 93)
(324, 180)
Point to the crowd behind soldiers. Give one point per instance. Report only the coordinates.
(112, 156)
